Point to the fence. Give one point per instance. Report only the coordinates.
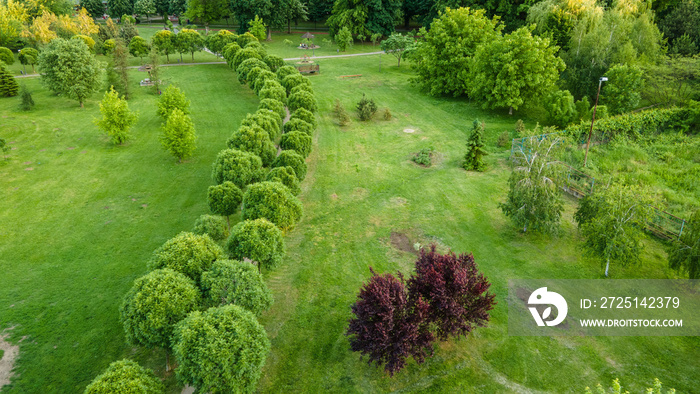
(578, 184)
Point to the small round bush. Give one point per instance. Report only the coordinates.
(253, 76)
(245, 39)
(273, 105)
(302, 88)
(260, 80)
(255, 140)
(258, 47)
(292, 159)
(239, 167)
(305, 115)
(243, 55)
(273, 90)
(212, 225)
(6, 56)
(285, 176)
(298, 125)
(187, 253)
(293, 80)
(302, 99)
(266, 120)
(272, 201)
(246, 66)
(229, 52)
(237, 283)
(126, 377)
(154, 304)
(297, 141)
(221, 350)
(225, 198)
(258, 240)
(274, 62)
(283, 71)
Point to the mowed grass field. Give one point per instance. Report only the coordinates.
(80, 217)
(79, 227)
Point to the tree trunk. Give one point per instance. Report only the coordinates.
(206, 28)
(510, 111)
(606, 267)
(180, 57)
(269, 33)
(167, 360)
(167, 57)
(228, 222)
(406, 21)
(24, 67)
(193, 56)
(81, 104)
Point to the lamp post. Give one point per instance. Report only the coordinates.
(588, 143)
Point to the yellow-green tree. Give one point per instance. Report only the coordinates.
(117, 119)
(178, 135)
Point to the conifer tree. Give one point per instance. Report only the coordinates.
(8, 84)
(474, 159)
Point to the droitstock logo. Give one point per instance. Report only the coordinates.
(543, 297)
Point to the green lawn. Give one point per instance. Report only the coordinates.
(79, 227)
(363, 187)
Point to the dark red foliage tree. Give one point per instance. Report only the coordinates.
(388, 327)
(455, 291)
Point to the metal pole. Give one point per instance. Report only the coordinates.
(588, 143)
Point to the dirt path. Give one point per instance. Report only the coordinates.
(7, 363)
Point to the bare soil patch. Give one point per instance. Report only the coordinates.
(7, 363)
(401, 242)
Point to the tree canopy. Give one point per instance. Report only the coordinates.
(221, 350)
(236, 283)
(67, 67)
(258, 240)
(125, 377)
(187, 253)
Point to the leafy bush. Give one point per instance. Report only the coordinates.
(220, 350)
(236, 283)
(212, 225)
(520, 126)
(125, 376)
(247, 66)
(154, 304)
(344, 39)
(272, 201)
(298, 125)
(423, 157)
(224, 199)
(274, 62)
(285, 176)
(503, 139)
(255, 140)
(302, 88)
(229, 53)
(284, 71)
(633, 125)
(305, 115)
(258, 240)
(217, 42)
(560, 108)
(341, 113)
(273, 105)
(241, 168)
(245, 54)
(366, 108)
(273, 90)
(387, 113)
(6, 56)
(266, 120)
(292, 159)
(259, 82)
(302, 99)
(245, 39)
(187, 253)
(622, 91)
(297, 141)
(291, 81)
